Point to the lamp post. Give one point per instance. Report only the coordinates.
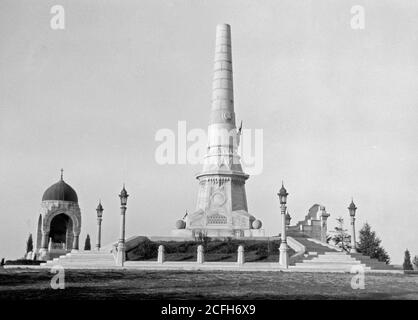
(324, 216)
(99, 210)
(284, 255)
(120, 258)
(352, 210)
(288, 219)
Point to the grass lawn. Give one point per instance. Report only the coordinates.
(135, 284)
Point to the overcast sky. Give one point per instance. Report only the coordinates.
(338, 108)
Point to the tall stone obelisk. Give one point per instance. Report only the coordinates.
(222, 202)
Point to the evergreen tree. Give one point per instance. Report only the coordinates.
(415, 262)
(369, 245)
(29, 244)
(340, 236)
(407, 265)
(87, 244)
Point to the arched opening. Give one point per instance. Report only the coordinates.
(60, 233)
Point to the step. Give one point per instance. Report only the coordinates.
(78, 264)
(334, 260)
(85, 258)
(329, 266)
(337, 256)
(328, 263)
(337, 253)
(325, 269)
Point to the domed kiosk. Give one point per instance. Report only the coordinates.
(59, 221)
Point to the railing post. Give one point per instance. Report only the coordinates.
(200, 254)
(241, 257)
(161, 256)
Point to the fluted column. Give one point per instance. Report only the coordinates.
(222, 85)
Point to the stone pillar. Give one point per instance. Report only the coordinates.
(284, 255)
(200, 254)
(75, 242)
(161, 256)
(99, 233)
(324, 228)
(353, 235)
(45, 237)
(120, 258)
(241, 257)
(43, 251)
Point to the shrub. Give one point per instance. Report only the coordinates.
(29, 244)
(23, 262)
(87, 244)
(407, 265)
(143, 251)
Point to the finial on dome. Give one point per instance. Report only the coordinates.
(62, 174)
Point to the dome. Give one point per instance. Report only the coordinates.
(60, 191)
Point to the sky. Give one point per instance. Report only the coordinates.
(337, 106)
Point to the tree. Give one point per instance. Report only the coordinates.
(340, 237)
(407, 265)
(415, 262)
(369, 245)
(29, 244)
(87, 244)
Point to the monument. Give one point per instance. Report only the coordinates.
(59, 221)
(314, 225)
(221, 209)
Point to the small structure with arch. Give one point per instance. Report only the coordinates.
(59, 222)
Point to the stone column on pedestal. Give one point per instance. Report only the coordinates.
(99, 210)
(284, 254)
(120, 257)
(99, 234)
(352, 210)
(161, 255)
(121, 243)
(241, 256)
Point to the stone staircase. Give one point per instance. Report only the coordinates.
(83, 260)
(321, 257)
(374, 264)
(329, 262)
